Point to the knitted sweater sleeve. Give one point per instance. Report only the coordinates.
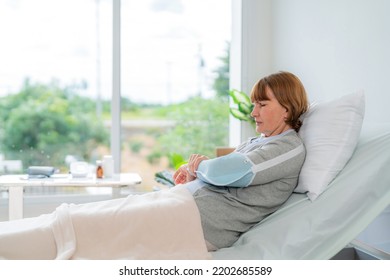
(264, 164)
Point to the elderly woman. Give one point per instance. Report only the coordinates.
(236, 191)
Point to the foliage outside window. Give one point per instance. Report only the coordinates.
(42, 124)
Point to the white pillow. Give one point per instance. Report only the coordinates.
(330, 132)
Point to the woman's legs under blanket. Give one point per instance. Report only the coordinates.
(33, 236)
(164, 224)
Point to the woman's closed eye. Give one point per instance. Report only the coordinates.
(261, 104)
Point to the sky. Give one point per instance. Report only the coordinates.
(163, 42)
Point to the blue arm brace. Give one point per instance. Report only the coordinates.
(233, 170)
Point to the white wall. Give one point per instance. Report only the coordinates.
(336, 47)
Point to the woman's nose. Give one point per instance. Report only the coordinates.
(254, 111)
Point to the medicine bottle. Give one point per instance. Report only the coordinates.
(99, 169)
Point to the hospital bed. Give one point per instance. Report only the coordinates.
(304, 229)
(343, 186)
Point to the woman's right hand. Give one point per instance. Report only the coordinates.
(187, 172)
(183, 175)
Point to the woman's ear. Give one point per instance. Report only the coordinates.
(285, 114)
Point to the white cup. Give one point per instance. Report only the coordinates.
(108, 166)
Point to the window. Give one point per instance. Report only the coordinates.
(174, 82)
(55, 75)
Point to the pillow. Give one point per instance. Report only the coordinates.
(330, 132)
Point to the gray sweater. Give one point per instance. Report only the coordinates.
(241, 189)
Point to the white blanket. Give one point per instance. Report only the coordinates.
(157, 225)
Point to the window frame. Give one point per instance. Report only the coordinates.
(116, 87)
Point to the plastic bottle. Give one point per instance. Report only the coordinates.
(99, 169)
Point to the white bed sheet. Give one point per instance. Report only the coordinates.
(302, 229)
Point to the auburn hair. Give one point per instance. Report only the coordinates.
(288, 90)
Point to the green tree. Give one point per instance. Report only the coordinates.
(41, 124)
(221, 82)
(201, 126)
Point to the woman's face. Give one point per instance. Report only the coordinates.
(270, 115)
